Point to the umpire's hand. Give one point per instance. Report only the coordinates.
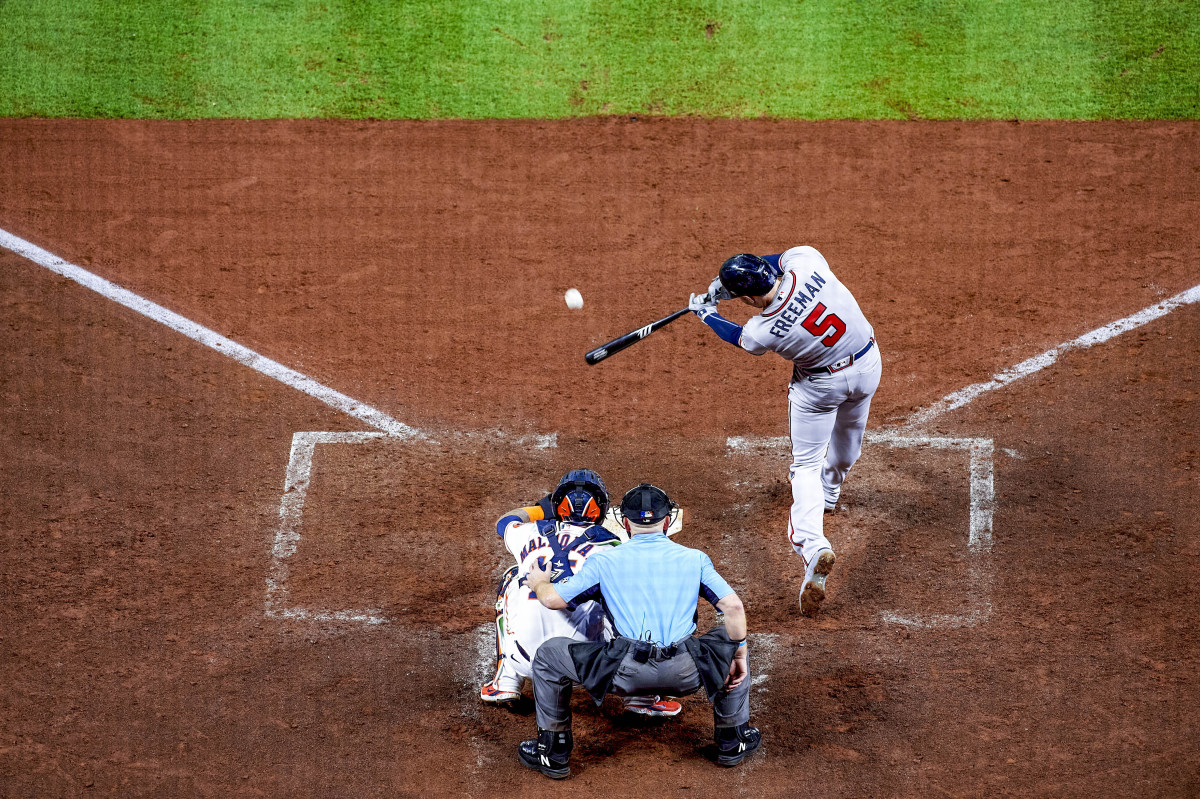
(537, 575)
(538, 581)
(739, 669)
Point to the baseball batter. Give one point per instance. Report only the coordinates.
(558, 533)
(811, 319)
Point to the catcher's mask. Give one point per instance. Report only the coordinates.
(746, 275)
(646, 504)
(580, 497)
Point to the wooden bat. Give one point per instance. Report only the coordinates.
(629, 339)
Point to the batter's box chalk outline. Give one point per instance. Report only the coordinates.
(982, 503)
(291, 513)
(287, 534)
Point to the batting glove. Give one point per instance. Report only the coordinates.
(701, 305)
(717, 291)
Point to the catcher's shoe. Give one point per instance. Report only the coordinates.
(549, 753)
(653, 706)
(735, 744)
(812, 594)
(495, 695)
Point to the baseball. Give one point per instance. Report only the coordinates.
(574, 299)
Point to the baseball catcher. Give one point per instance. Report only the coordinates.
(558, 533)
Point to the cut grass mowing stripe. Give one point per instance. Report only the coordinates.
(817, 59)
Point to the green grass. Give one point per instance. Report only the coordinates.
(811, 59)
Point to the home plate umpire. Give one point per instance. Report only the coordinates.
(650, 587)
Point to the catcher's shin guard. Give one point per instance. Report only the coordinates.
(504, 581)
(496, 692)
(508, 577)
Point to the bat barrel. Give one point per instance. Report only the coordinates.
(629, 339)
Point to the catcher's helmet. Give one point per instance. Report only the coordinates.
(580, 497)
(646, 504)
(746, 275)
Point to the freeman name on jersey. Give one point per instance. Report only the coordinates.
(796, 305)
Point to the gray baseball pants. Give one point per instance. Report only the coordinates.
(554, 675)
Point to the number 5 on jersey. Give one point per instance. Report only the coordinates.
(823, 326)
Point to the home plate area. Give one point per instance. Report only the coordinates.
(373, 527)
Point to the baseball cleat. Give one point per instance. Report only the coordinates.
(653, 706)
(813, 592)
(735, 744)
(493, 695)
(548, 753)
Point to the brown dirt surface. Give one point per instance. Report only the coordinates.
(420, 267)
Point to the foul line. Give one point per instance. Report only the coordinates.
(291, 506)
(1038, 362)
(982, 490)
(209, 338)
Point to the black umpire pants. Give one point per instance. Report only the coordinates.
(555, 674)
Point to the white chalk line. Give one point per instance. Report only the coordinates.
(287, 534)
(248, 357)
(981, 501)
(300, 461)
(481, 670)
(291, 512)
(1038, 362)
(209, 338)
(763, 649)
(982, 488)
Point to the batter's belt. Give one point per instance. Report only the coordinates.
(799, 372)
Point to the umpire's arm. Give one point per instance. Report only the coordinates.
(735, 627)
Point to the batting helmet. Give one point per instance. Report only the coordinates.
(646, 504)
(580, 497)
(746, 275)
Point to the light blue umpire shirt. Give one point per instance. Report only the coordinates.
(649, 586)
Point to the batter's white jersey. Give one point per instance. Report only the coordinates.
(814, 321)
(524, 622)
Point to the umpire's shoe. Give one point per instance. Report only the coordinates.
(548, 753)
(735, 744)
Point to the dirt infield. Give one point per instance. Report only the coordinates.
(419, 268)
